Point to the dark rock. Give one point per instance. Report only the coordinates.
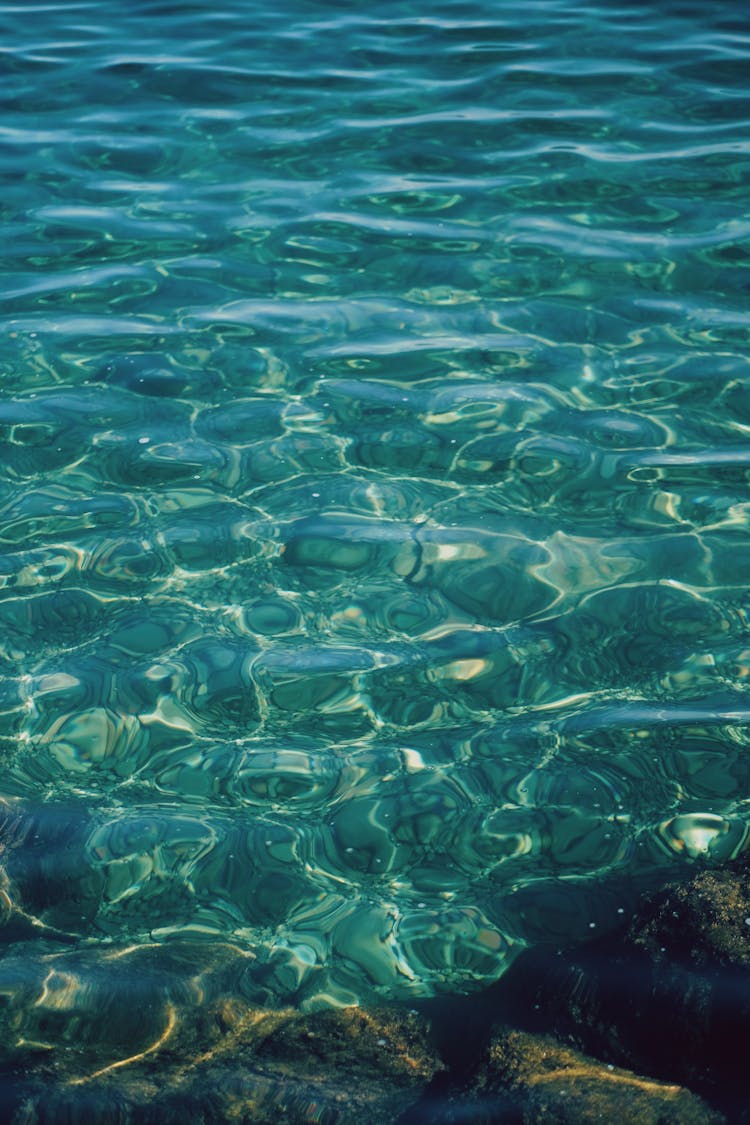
(173, 1037)
(188, 1047)
(705, 923)
(549, 1082)
(669, 996)
(353, 1064)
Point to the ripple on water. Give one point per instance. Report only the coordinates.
(374, 497)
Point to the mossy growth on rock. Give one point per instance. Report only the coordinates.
(234, 1062)
(669, 996)
(550, 1082)
(705, 923)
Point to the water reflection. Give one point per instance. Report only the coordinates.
(373, 498)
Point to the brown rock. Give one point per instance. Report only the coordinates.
(550, 1082)
(706, 922)
(353, 1064)
(204, 1055)
(669, 997)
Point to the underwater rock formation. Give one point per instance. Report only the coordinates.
(642, 1024)
(534, 1078)
(180, 1052)
(669, 996)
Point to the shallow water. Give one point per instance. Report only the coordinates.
(375, 481)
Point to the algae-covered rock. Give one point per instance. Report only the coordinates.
(87, 1009)
(669, 996)
(344, 1065)
(186, 1047)
(705, 923)
(549, 1082)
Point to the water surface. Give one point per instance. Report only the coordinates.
(374, 403)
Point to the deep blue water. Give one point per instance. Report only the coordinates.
(374, 489)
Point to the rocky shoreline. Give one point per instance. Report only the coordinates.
(646, 1025)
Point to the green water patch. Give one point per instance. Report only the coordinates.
(374, 496)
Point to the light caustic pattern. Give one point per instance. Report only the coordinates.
(374, 406)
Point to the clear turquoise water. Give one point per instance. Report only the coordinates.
(374, 491)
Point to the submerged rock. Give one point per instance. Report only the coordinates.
(544, 1081)
(705, 924)
(164, 1032)
(352, 1064)
(201, 1059)
(669, 996)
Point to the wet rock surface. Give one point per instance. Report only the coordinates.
(705, 923)
(239, 1063)
(534, 1078)
(668, 997)
(647, 1025)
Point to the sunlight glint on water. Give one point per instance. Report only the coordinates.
(374, 491)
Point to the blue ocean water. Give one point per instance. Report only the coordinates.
(374, 490)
